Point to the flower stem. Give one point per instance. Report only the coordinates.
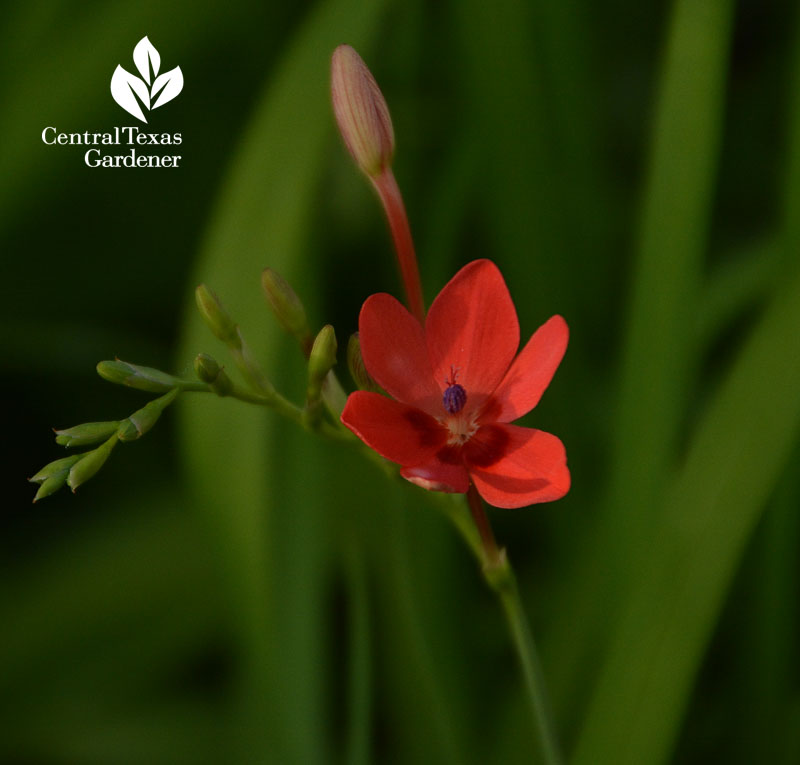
(392, 202)
(500, 577)
(531, 664)
(491, 553)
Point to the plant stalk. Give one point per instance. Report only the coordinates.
(392, 201)
(500, 577)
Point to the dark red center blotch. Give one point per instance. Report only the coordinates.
(487, 447)
(454, 398)
(428, 430)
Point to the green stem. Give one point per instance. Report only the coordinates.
(500, 577)
(263, 388)
(274, 400)
(243, 395)
(492, 556)
(453, 507)
(528, 655)
(191, 386)
(251, 371)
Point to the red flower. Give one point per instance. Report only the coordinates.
(457, 386)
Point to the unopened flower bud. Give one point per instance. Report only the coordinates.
(88, 433)
(54, 468)
(53, 476)
(89, 463)
(216, 317)
(287, 307)
(210, 372)
(142, 420)
(321, 360)
(358, 371)
(134, 376)
(206, 368)
(361, 112)
(51, 486)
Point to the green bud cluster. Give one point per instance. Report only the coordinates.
(73, 471)
(225, 328)
(325, 398)
(53, 476)
(322, 387)
(77, 469)
(90, 462)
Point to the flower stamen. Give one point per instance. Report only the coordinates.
(454, 396)
(461, 428)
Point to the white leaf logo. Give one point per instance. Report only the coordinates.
(167, 86)
(144, 54)
(123, 86)
(132, 93)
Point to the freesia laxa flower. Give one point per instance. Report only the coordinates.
(457, 384)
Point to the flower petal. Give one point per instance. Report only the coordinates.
(395, 354)
(530, 373)
(401, 433)
(472, 331)
(513, 466)
(437, 475)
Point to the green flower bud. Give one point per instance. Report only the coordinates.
(53, 469)
(355, 364)
(89, 463)
(206, 368)
(50, 486)
(216, 317)
(287, 307)
(361, 112)
(143, 420)
(53, 476)
(88, 433)
(210, 372)
(321, 360)
(134, 376)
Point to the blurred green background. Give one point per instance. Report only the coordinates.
(230, 590)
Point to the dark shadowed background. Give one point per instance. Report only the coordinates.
(228, 588)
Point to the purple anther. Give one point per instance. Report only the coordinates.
(454, 398)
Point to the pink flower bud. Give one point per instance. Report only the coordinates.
(361, 112)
